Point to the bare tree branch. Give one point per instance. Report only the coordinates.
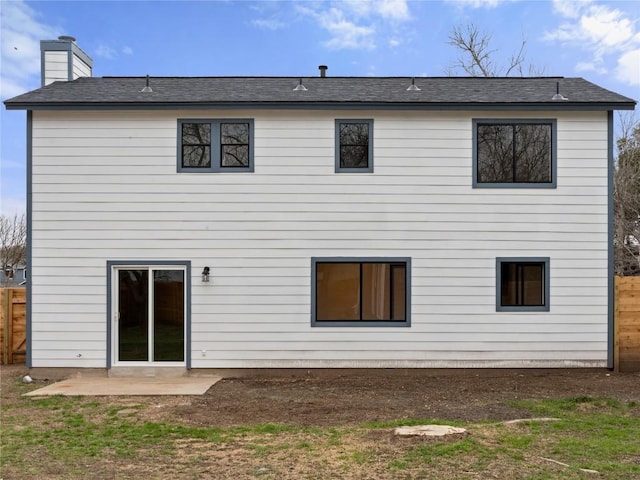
(627, 198)
(477, 59)
(13, 248)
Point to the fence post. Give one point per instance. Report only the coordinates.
(616, 323)
(6, 346)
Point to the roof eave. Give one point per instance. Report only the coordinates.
(551, 105)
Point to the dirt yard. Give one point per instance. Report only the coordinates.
(323, 425)
(340, 397)
(355, 397)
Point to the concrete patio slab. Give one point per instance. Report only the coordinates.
(128, 386)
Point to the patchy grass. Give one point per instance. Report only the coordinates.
(62, 437)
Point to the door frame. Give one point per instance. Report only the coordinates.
(112, 268)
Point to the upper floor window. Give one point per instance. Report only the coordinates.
(354, 145)
(514, 153)
(215, 145)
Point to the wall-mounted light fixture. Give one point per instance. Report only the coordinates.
(205, 274)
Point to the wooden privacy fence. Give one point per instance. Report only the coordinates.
(13, 321)
(627, 321)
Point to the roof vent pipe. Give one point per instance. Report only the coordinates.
(300, 87)
(323, 70)
(558, 95)
(413, 87)
(147, 88)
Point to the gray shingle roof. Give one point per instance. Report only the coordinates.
(435, 92)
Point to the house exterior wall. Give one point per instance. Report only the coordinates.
(105, 187)
(56, 66)
(79, 68)
(19, 278)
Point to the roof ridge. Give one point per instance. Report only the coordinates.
(182, 77)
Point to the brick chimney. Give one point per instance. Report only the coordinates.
(63, 60)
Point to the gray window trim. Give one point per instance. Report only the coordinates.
(369, 168)
(496, 121)
(405, 260)
(29, 280)
(547, 289)
(215, 146)
(151, 263)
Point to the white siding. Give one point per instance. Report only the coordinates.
(56, 67)
(105, 187)
(80, 68)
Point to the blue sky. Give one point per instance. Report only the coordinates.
(597, 40)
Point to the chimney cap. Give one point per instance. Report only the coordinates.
(323, 70)
(67, 38)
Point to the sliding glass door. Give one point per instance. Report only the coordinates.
(150, 316)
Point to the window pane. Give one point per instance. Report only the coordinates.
(133, 309)
(533, 153)
(337, 291)
(495, 153)
(196, 134)
(522, 284)
(196, 145)
(168, 315)
(354, 157)
(376, 291)
(533, 284)
(234, 133)
(235, 156)
(354, 134)
(509, 286)
(399, 292)
(193, 156)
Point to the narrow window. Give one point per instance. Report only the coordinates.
(215, 145)
(522, 284)
(234, 145)
(363, 292)
(196, 145)
(511, 153)
(354, 146)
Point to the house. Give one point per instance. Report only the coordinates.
(13, 276)
(263, 222)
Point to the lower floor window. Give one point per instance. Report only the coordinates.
(353, 291)
(522, 284)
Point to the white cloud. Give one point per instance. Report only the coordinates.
(105, 51)
(570, 8)
(389, 9)
(356, 24)
(268, 24)
(395, 9)
(395, 42)
(477, 3)
(344, 33)
(590, 67)
(109, 52)
(628, 68)
(20, 37)
(608, 35)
